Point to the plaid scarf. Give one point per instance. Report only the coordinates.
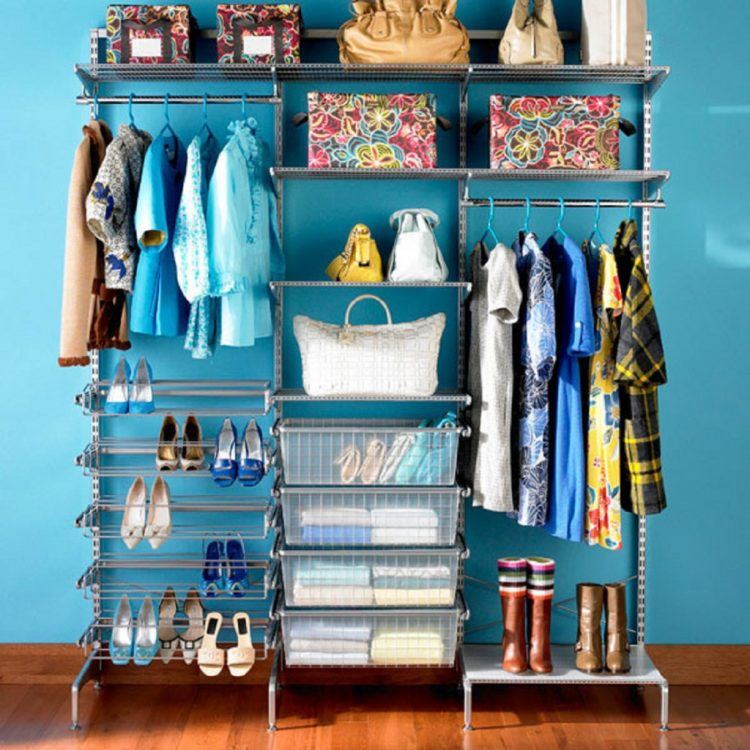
(640, 368)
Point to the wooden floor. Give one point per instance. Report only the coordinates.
(188, 717)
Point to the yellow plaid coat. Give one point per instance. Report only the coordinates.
(640, 369)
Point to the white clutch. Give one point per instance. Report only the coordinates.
(370, 360)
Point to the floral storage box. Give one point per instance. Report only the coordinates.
(149, 34)
(258, 34)
(372, 131)
(555, 132)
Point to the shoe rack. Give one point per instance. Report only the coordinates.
(110, 574)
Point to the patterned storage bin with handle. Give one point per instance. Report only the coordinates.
(372, 131)
(149, 34)
(259, 34)
(416, 256)
(370, 360)
(556, 132)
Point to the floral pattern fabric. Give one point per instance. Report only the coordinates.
(148, 22)
(603, 514)
(375, 131)
(238, 23)
(554, 132)
(537, 355)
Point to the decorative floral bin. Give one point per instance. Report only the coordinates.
(258, 34)
(555, 132)
(149, 34)
(372, 131)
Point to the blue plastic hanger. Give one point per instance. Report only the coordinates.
(206, 127)
(167, 124)
(490, 220)
(95, 106)
(596, 232)
(561, 217)
(630, 210)
(527, 219)
(244, 107)
(131, 116)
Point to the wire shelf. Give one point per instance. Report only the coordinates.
(193, 503)
(652, 76)
(297, 395)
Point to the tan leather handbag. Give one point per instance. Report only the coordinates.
(532, 38)
(404, 31)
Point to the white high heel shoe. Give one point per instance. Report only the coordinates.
(121, 637)
(146, 635)
(159, 524)
(134, 515)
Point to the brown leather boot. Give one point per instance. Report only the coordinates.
(540, 619)
(618, 648)
(514, 633)
(589, 640)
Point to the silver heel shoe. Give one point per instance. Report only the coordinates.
(146, 635)
(121, 638)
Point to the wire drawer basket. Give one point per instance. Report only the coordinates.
(371, 578)
(381, 517)
(368, 452)
(372, 638)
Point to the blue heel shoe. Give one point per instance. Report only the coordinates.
(146, 643)
(121, 638)
(237, 580)
(141, 398)
(213, 580)
(224, 468)
(252, 464)
(117, 396)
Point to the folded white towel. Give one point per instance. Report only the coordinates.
(335, 517)
(325, 596)
(316, 659)
(404, 536)
(435, 571)
(330, 646)
(308, 628)
(398, 518)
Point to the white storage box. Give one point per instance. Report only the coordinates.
(370, 578)
(368, 452)
(372, 638)
(383, 517)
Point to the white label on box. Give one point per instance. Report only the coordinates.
(257, 45)
(145, 46)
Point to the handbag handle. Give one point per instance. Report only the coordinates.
(359, 299)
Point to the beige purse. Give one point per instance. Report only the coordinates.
(404, 31)
(613, 32)
(532, 38)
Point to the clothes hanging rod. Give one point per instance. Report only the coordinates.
(568, 202)
(179, 99)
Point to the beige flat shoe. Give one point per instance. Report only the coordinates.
(373, 462)
(241, 658)
(159, 524)
(350, 462)
(134, 515)
(210, 656)
(167, 456)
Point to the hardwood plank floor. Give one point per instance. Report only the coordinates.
(188, 717)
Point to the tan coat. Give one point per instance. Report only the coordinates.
(89, 319)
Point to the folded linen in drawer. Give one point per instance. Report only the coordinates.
(401, 582)
(315, 659)
(335, 517)
(319, 629)
(336, 534)
(331, 596)
(322, 573)
(407, 647)
(412, 572)
(399, 518)
(418, 597)
(385, 535)
(330, 646)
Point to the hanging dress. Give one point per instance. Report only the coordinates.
(243, 237)
(537, 353)
(575, 339)
(191, 246)
(494, 303)
(158, 307)
(603, 517)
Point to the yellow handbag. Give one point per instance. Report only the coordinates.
(404, 31)
(360, 261)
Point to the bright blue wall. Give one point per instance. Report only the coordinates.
(698, 548)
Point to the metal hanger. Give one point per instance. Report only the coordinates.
(560, 218)
(490, 230)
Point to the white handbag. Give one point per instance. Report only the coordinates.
(613, 32)
(416, 255)
(370, 360)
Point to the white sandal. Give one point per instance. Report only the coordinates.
(373, 462)
(210, 656)
(350, 462)
(241, 658)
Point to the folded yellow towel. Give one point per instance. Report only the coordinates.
(407, 647)
(415, 597)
